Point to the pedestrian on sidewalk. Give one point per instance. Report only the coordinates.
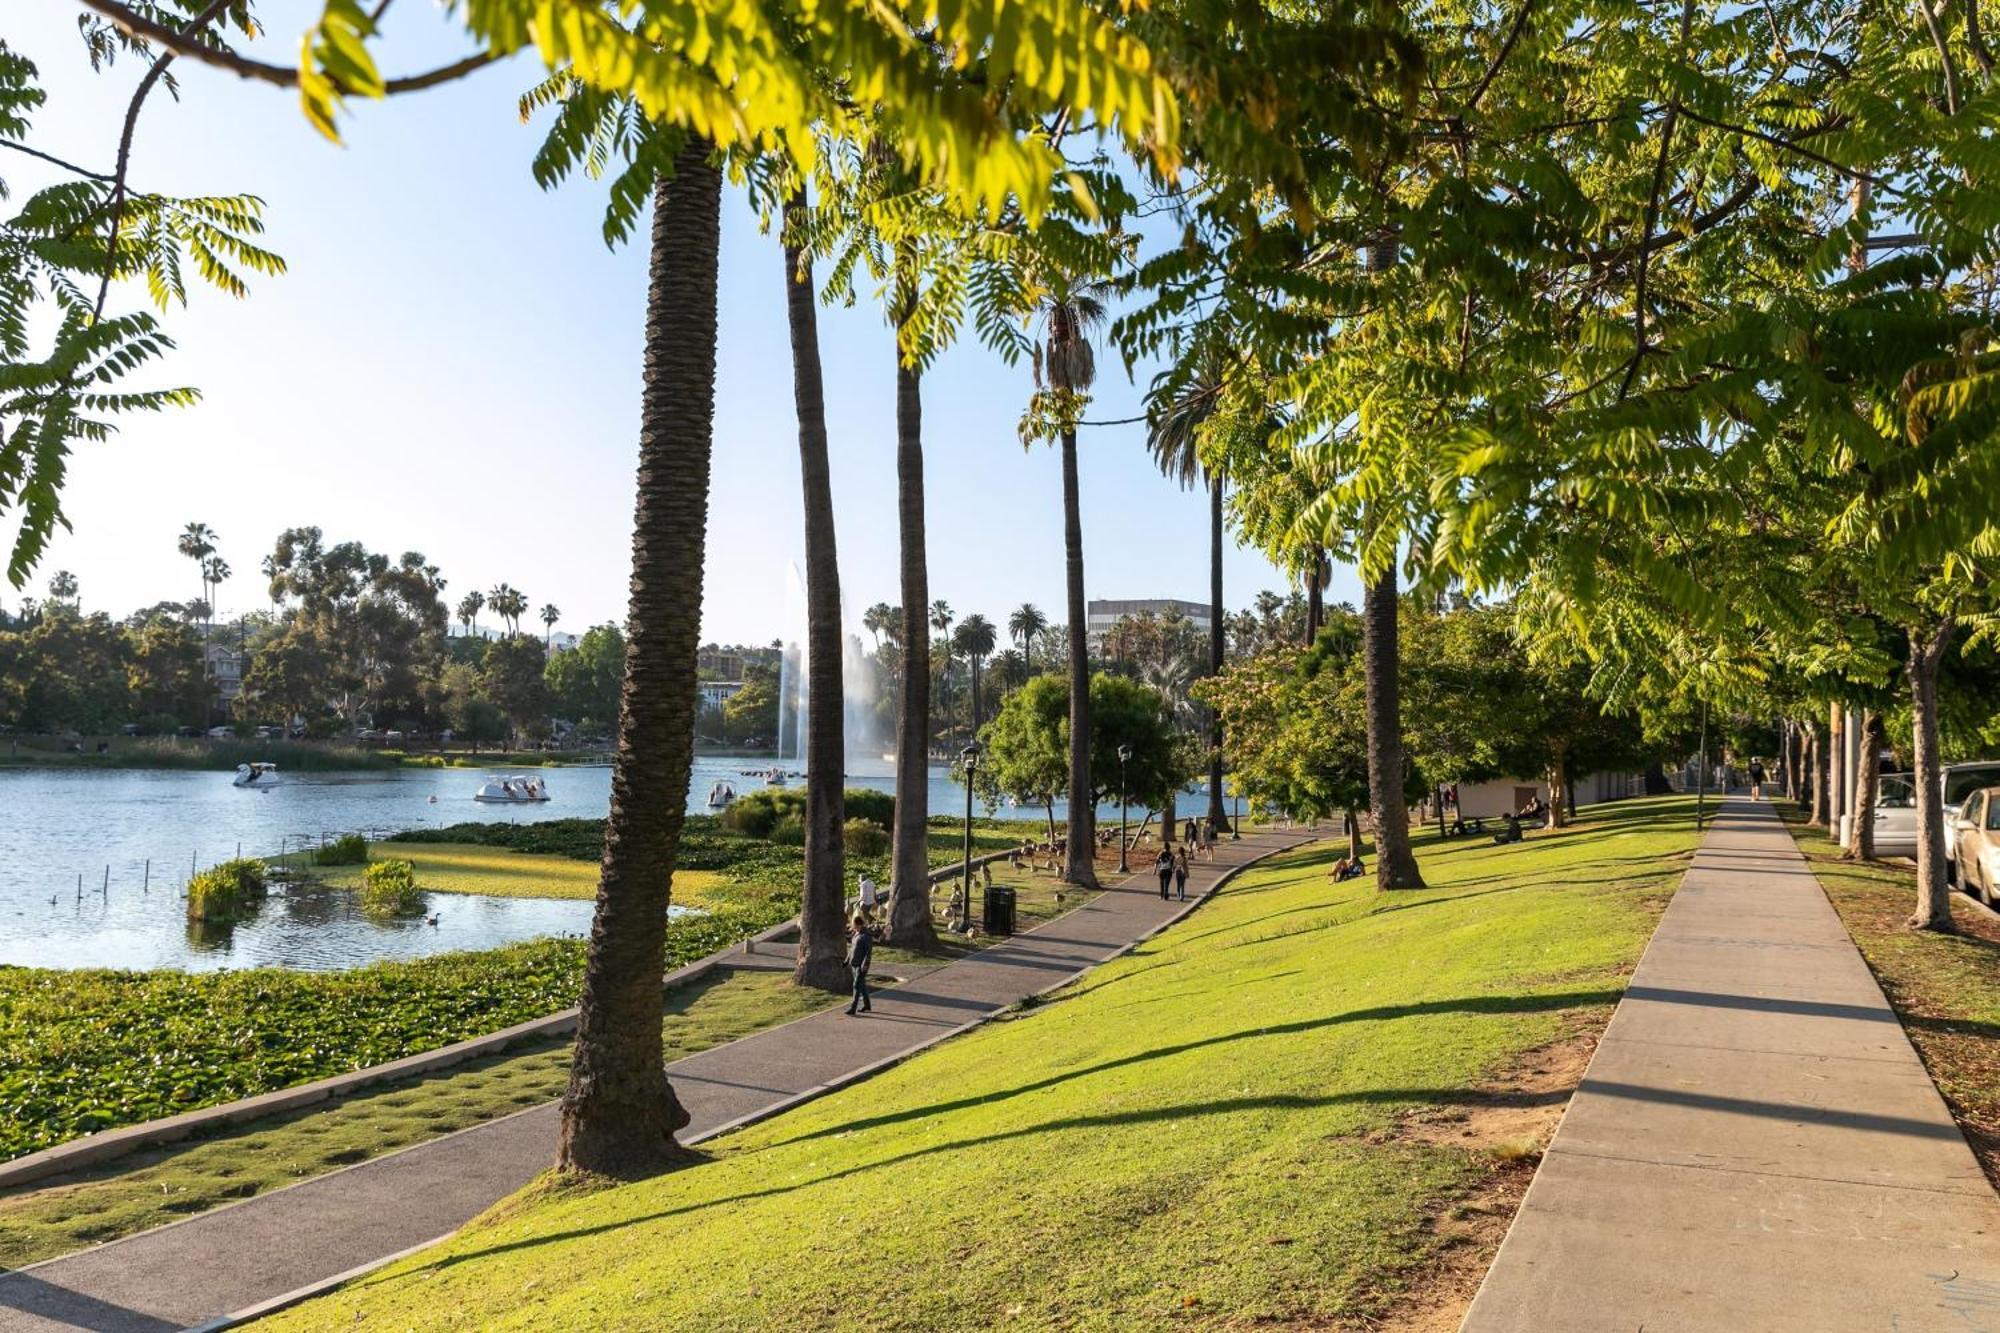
(866, 903)
(1163, 866)
(860, 954)
(1181, 873)
(1756, 780)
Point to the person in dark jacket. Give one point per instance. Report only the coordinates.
(1163, 866)
(860, 953)
(1181, 873)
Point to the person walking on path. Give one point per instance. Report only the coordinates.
(1181, 873)
(860, 953)
(1163, 866)
(867, 901)
(1756, 780)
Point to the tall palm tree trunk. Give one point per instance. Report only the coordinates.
(1218, 813)
(910, 892)
(619, 1115)
(822, 939)
(1079, 858)
(1395, 863)
(1933, 892)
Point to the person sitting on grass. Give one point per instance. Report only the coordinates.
(1348, 867)
(1512, 833)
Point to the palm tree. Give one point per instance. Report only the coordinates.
(1025, 625)
(550, 614)
(510, 604)
(469, 607)
(910, 891)
(619, 1115)
(1173, 433)
(63, 589)
(274, 579)
(976, 639)
(822, 940)
(941, 616)
(881, 619)
(215, 571)
(1069, 312)
(197, 543)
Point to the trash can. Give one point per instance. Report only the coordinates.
(999, 910)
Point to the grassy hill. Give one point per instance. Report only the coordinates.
(1212, 1131)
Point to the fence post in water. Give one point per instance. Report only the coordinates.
(146, 885)
(79, 887)
(106, 890)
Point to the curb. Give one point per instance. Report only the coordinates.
(112, 1144)
(849, 1079)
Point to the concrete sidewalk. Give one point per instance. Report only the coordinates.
(239, 1257)
(1756, 1145)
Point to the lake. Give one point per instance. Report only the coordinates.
(145, 830)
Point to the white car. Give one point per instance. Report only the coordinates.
(1975, 835)
(1896, 808)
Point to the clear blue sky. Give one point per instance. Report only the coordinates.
(452, 365)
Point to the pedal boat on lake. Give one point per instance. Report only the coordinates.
(513, 791)
(256, 775)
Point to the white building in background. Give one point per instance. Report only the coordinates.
(715, 693)
(1100, 616)
(1491, 800)
(224, 667)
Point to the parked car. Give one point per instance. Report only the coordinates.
(129, 729)
(1896, 807)
(1975, 838)
(187, 733)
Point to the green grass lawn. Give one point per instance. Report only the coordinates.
(1946, 988)
(166, 1184)
(1203, 1132)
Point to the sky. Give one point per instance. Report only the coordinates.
(451, 364)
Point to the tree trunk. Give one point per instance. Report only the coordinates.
(1395, 863)
(1836, 763)
(1315, 599)
(1821, 788)
(1558, 787)
(1218, 812)
(1353, 821)
(619, 1115)
(1933, 890)
(910, 894)
(1079, 860)
(822, 954)
(1867, 766)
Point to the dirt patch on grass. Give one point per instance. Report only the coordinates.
(1505, 1125)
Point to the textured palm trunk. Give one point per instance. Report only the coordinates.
(910, 893)
(1395, 863)
(1933, 891)
(822, 938)
(1867, 767)
(1079, 857)
(1218, 813)
(619, 1115)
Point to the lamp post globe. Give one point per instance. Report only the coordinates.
(968, 759)
(1124, 754)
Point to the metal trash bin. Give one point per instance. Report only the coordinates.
(999, 911)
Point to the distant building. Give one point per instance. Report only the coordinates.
(224, 666)
(715, 693)
(718, 663)
(1100, 616)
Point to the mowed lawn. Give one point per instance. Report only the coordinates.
(457, 867)
(1198, 1134)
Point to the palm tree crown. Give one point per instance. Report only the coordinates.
(1026, 625)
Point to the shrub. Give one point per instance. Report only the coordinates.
(349, 849)
(864, 837)
(789, 831)
(759, 812)
(389, 888)
(877, 807)
(226, 892)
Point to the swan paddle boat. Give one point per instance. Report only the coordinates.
(721, 794)
(256, 775)
(513, 791)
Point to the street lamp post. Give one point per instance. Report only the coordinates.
(1124, 753)
(1236, 825)
(969, 757)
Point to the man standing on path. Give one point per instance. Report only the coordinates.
(860, 953)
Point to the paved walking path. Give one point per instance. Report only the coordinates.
(246, 1254)
(1756, 1145)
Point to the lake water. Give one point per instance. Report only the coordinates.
(145, 830)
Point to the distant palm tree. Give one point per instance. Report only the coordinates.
(881, 619)
(550, 614)
(1026, 625)
(1175, 418)
(1066, 365)
(976, 639)
(510, 604)
(62, 588)
(469, 607)
(274, 576)
(941, 616)
(1010, 667)
(197, 543)
(215, 571)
